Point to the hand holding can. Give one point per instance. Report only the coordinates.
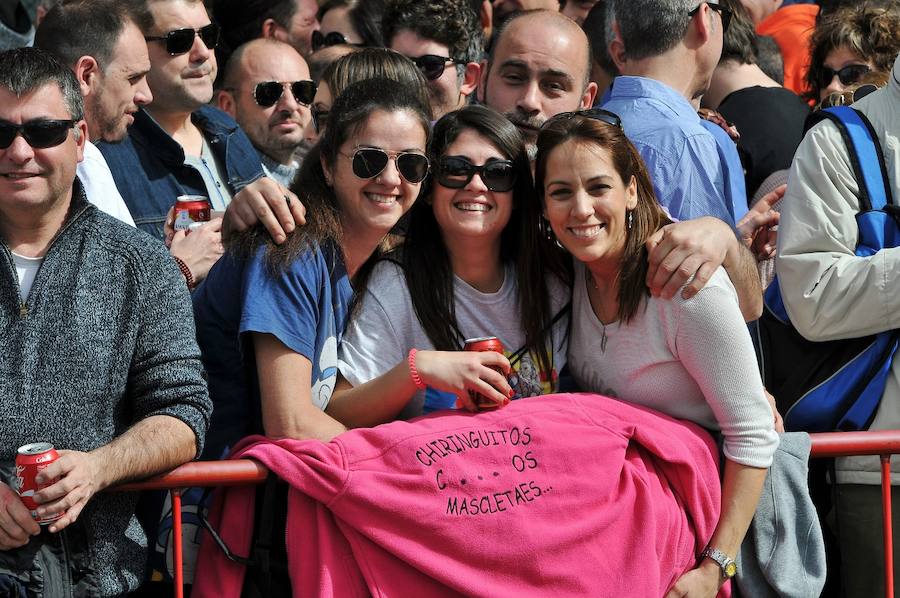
(31, 459)
(191, 211)
(485, 343)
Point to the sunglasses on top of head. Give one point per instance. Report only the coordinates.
(455, 172)
(180, 41)
(369, 162)
(326, 40)
(432, 65)
(723, 11)
(39, 134)
(267, 93)
(848, 75)
(610, 118)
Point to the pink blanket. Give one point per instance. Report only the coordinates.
(579, 495)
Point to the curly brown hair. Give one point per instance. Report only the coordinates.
(872, 32)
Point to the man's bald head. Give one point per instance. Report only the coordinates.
(539, 66)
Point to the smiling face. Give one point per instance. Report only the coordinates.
(121, 89)
(586, 202)
(371, 207)
(474, 211)
(184, 82)
(37, 179)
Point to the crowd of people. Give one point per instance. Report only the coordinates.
(598, 184)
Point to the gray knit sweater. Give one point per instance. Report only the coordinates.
(105, 338)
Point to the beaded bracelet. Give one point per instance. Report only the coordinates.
(186, 272)
(413, 372)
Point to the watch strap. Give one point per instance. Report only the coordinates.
(726, 564)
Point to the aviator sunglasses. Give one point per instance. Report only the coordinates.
(181, 41)
(369, 162)
(848, 75)
(432, 65)
(267, 93)
(39, 134)
(455, 172)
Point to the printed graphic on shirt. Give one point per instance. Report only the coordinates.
(526, 380)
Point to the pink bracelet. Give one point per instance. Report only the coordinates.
(413, 372)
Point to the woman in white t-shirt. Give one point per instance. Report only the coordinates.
(689, 358)
(471, 265)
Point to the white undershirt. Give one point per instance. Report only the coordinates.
(26, 269)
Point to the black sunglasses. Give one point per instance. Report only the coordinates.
(610, 118)
(39, 134)
(369, 162)
(723, 11)
(848, 75)
(325, 40)
(455, 172)
(319, 118)
(268, 93)
(432, 66)
(181, 41)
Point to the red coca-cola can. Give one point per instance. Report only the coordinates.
(191, 210)
(484, 343)
(31, 459)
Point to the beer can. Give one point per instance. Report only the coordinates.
(191, 209)
(484, 343)
(30, 460)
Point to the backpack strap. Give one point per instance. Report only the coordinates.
(865, 153)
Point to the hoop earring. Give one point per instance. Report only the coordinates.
(630, 219)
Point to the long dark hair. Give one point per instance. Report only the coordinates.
(349, 114)
(648, 216)
(426, 262)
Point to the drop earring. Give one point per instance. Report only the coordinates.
(630, 219)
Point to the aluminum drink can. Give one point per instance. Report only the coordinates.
(484, 343)
(31, 459)
(190, 209)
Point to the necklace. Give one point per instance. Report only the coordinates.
(603, 337)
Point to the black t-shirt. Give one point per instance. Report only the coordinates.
(770, 121)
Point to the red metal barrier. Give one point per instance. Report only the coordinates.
(247, 472)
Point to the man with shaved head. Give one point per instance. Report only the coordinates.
(539, 66)
(268, 92)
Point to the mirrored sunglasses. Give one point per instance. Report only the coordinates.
(180, 41)
(325, 40)
(267, 93)
(848, 75)
(369, 162)
(39, 134)
(455, 172)
(432, 65)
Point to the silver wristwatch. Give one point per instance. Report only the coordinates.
(725, 563)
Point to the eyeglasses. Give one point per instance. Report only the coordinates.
(610, 118)
(326, 40)
(181, 41)
(40, 134)
(723, 11)
(319, 118)
(432, 66)
(268, 93)
(369, 162)
(455, 172)
(848, 75)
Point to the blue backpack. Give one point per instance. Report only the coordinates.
(836, 385)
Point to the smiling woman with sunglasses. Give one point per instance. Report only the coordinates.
(472, 265)
(270, 317)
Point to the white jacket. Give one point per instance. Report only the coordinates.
(829, 292)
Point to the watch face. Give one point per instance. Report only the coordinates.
(730, 570)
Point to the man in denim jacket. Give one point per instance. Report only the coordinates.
(178, 145)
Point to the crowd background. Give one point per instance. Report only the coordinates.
(602, 185)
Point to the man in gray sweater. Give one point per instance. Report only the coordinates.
(97, 350)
